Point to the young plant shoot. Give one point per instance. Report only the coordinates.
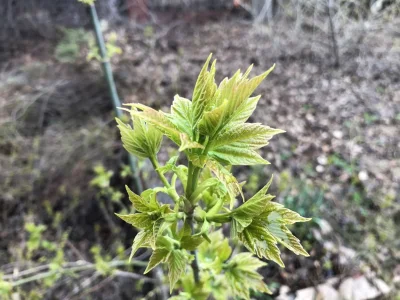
(213, 134)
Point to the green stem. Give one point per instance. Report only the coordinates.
(112, 88)
(193, 175)
(189, 180)
(220, 218)
(171, 192)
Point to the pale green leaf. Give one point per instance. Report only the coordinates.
(143, 140)
(212, 255)
(188, 144)
(282, 214)
(141, 204)
(248, 135)
(253, 207)
(286, 238)
(212, 119)
(157, 118)
(177, 264)
(191, 242)
(198, 160)
(138, 220)
(226, 177)
(142, 240)
(202, 187)
(235, 92)
(262, 193)
(237, 156)
(242, 275)
(257, 239)
(149, 197)
(242, 222)
(204, 90)
(181, 115)
(158, 256)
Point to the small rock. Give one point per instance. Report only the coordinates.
(346, 255)
(322, 292)
(326, 228)
(363, 175)
(338, 134)
(322, 160)
(361, 289)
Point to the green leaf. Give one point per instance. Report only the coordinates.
(242, 221)
(138, 220)
(199, 160)
(158, 256)
(143, 140)
(285, 215)
(262, 193)
(188, 144)
(241, 275)
(232, 185)
(142, 240)
(157, 118)
(286, 238)
(181, 115)
(257, 239)
(247, 135)
(212, 255)
(140, 204)
(253, 207)
(229, 103)
(177, 264)
(202, 187)
(212, 119)
(191, 242)
(149, 198)
(245, 110)
(169, 166)
(204, 90)
(237, 156)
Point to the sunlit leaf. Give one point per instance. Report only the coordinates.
(177, 265)
(138, 220)
(143, 140)
(141, 204)
(158, 256)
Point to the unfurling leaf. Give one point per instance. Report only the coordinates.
(187, 144)
(148, 203)
(157, 118)
(232, 185)
(142, 240)
(182, 115)
(204, 90)
(144, 140)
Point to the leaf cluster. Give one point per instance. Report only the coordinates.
(212, 132)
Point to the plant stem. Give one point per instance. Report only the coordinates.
(171, 192)
(112, 88)
(195, 264)
(193, 176)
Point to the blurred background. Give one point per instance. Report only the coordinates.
(335, 90)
